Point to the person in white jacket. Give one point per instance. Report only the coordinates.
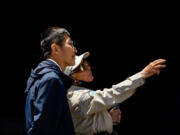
(89, 107)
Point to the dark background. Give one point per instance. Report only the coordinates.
(122, 39)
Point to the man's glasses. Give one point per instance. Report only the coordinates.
(82, 67)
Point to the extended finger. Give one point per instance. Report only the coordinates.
(160, 66)
(158, 61)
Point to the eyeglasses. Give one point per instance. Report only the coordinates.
(82, 67)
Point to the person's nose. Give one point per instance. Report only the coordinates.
(75, 49)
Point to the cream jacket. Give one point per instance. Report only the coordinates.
(89, 108)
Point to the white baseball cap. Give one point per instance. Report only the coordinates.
(78, 61)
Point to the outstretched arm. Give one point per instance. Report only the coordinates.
(90, 103)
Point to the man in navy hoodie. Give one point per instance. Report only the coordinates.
(47, 110)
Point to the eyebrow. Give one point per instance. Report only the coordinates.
(70, 41)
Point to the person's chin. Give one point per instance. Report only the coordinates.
(72, 64)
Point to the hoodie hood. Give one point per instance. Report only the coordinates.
(44, 67)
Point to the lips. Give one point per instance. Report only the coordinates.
(73, 56)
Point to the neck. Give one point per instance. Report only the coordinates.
(60, 64)
(63, 67)
(77, 83)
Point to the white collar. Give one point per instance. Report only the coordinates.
(55, 63)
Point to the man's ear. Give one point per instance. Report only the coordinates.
(54, 47)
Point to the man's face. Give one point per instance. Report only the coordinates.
(67, 52)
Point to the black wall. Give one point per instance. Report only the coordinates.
(121, 39)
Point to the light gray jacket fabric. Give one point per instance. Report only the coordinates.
(89, 108)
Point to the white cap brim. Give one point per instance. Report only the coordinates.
(78, 61)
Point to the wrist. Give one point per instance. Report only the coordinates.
(143, 75)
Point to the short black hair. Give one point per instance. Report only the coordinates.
(52, 35)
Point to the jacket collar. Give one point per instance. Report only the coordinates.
(45, 67)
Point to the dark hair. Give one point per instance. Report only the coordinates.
(52, 35)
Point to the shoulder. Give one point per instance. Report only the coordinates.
(78, 88)
(51, 85)
(51, 75)
(77, 91)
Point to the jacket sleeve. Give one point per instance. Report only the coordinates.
(48, 107)
(89, 102)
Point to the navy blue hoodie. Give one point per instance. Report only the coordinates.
(47, 110)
